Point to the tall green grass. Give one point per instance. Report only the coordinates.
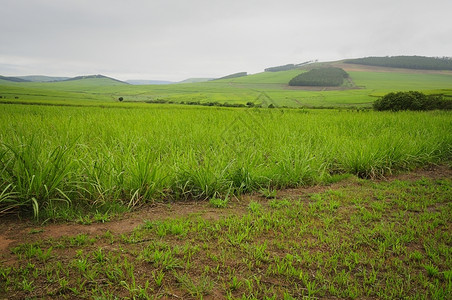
(89, 156)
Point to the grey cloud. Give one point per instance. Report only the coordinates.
(173, 39)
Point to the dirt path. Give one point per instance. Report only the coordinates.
(14, 231)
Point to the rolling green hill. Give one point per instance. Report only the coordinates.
(41, 78)
(360, 90)
(195, 80)
(282, 77)
(97, 79)
(13, 79)
(235, 75)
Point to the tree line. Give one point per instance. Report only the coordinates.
(407, 62)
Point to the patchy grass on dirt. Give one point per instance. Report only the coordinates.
(354, 239)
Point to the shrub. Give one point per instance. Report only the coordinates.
(411, 100)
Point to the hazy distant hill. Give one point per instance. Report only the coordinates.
(95, 77)
(194, 80)
(42, 78)
(235, 75)
(13, 79)
(153, 82)
(145, 82)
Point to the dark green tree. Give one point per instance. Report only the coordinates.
(411, 100)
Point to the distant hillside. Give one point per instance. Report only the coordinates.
(407, 62)
(42, 78)
(95, 77)
(195, 80)
(146, 82)
(280, 68)
(235, 75)
(13, 79)
(287, 67)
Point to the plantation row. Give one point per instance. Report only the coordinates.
(53, 157)
(320, 77)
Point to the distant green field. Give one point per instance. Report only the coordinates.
(392, 81)
(262, 88)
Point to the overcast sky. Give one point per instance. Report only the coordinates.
(178, 39)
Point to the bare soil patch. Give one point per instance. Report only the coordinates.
(15, 231)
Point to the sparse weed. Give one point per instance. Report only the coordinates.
(218, 203)
(269, 193)
(255, 207)
(278, 204)
(81, 239)
(170, 226)
(158, 277)
(416, 255)
(199, 288)
(33, 250)
(431, 269)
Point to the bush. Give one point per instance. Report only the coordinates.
(411, 100)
